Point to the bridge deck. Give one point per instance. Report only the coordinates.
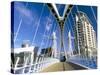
(63, 66)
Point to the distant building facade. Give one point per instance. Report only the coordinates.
(70, 49)
(26, 54)
(47, 51)
(54, 45)
(85, 36)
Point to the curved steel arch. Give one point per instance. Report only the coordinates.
(60, 19)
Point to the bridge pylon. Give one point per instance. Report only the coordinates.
(61, 21)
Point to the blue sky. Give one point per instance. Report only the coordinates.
(35, 22)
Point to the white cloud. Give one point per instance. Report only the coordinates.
(23, 10)
(49, 24)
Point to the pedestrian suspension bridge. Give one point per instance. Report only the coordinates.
(57, 61)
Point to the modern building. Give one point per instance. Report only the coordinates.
(26, 54)
(47, 51)
(25, 43)
(70, 50)
(35, 54)
(54, 45)
(85, 36)
(51, 51)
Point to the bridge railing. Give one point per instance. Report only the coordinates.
(90, 63)
(37, 66)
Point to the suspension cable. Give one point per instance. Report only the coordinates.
(38, 25)
(19, 26)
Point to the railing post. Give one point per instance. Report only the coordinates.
(31, 62)
(25, 65)
(16, 64)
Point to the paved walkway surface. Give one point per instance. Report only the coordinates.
(63, 66)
